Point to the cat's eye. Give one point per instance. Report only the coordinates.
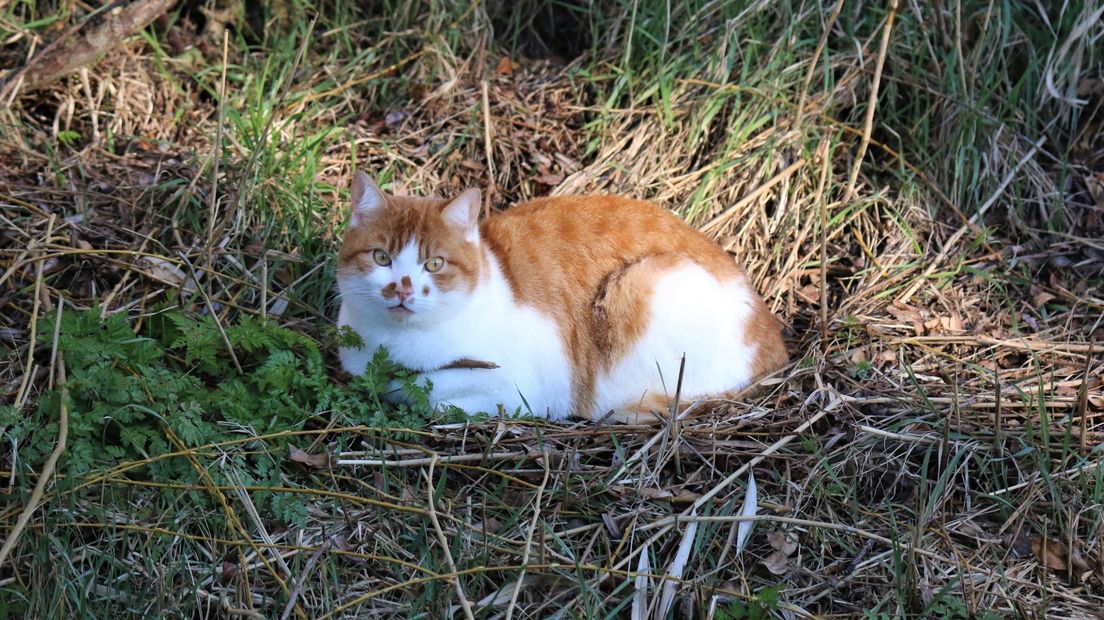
(382, 258)
(434, 264)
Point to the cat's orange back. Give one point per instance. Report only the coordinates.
(590, 261)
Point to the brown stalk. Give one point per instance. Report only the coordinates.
(1083, 401)
(464, 604)
(822, 204)
(471, 364)
(799, 117)
(302, 580)
(529, 538)
(48, 467)
(998, 418)
(32, 329)
(488, 149)
(212, 199)
(868, 122)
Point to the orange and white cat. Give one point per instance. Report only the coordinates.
(585, 303)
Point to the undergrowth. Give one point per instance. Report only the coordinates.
(180, 381)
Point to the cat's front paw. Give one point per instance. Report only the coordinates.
(470, 406)
(397, 393)
(404, 392)
(472, 390)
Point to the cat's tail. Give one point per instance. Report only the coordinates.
(654, 408)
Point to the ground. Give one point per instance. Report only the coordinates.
(917, 190)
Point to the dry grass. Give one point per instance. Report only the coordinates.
(933, 451)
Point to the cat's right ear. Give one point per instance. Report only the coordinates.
(367, 198)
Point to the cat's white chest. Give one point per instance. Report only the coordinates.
(532, 374)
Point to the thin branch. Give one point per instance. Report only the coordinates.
(464, 604)
(529, 538)
(49, 466)
(84, 44)
(868, 123)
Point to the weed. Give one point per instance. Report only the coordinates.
(759, 607)
(180, 384)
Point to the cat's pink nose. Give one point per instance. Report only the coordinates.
(405, 289)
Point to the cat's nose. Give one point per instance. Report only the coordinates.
(405, 289)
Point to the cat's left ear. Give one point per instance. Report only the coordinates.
(462, 213)
(366, 197)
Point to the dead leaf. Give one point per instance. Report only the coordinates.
(1090, 86)
(953, 323)
(1080, 564)
(166, 272)
(394, 118)
(569, 164)
(229, 572)
(491, 525)
(779, 541)
(909, 316)
(642, 583)
(550, 179)
(858, 356)
(904, 313)
(778, 562)
(1020, 546)
(676, 567)
(1041, 298)
(1095, 184)
(810, 293)
(505, 66)
(1057, 556)
(611, 526)
(341, 543)
(314, 461)
(141, 178)
(1051, 553)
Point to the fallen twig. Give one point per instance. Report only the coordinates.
(48, 467)
(464, 604)
(85, 44)
(317, 555)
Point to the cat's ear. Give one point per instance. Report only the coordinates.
(367, 198)
(463, 213)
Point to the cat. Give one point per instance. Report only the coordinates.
(579, 305)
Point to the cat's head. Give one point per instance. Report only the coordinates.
(413, 261)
